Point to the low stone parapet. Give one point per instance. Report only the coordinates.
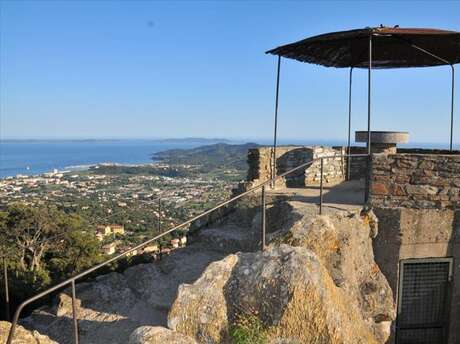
(289, 157)
(415, 180)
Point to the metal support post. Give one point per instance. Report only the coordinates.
(159, 215)
(349, 124)
(321, 188)
(275, 131)
(7, 294)
(452, 88)
(369, 74)
(264, 220)
(452, 110)
(74, 314)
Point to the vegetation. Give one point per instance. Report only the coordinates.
(49, 235)
(221, 161)
(43, 245)
(248, 329)
(210, 157)
(144, 170)
(31, 233)
(80, 250)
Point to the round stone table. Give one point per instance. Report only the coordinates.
(383, 141)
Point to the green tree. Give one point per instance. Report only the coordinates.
(7, 249)
(31, 232)
(43, 245)
(78, 251)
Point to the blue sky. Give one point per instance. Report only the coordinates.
(88, 69)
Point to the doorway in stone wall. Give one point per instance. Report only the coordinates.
(424, 301)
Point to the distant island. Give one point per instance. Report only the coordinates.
(194, 140)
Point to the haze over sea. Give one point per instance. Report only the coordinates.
(31, 157)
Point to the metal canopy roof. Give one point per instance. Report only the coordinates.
(391, 48)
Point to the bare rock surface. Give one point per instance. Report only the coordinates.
(158, 335)
(200, 310)
(229, 239)
(114, 305)
(342, 241)
(317, 283)
(23, 336)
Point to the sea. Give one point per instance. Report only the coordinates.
(32, 157)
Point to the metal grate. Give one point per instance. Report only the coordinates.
(423, 307)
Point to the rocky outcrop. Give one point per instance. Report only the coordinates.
(23, 336)
(324, 287)
(112, 306)
(343, 244)
(158, 335)
(200, 310)
(316, 283)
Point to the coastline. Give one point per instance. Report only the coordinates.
(38, 157)
(79, 168)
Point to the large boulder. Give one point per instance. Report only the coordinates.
(342, 241)
(200, 309)
(22, 336)
(324, 287)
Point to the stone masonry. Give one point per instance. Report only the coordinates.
(288, 157)
(416, 195)
(358, 165)
(415, 181)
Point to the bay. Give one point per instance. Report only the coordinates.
(31, 157)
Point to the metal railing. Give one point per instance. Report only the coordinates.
(7, 293)
(71, 281)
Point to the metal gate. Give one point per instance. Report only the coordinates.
(423, 301)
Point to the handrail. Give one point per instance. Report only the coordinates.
(7, 293)
(72, 280)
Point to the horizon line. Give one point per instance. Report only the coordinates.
(231, 139)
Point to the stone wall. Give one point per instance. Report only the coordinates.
(415, 181)
(288, 157)
(358, 165)
(259, 164)
(333, 168)
(427, 151)
(405, 233)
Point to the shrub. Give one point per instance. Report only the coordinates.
(248, 329)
